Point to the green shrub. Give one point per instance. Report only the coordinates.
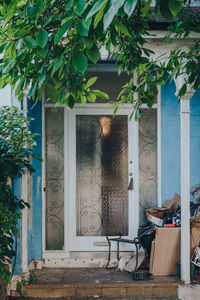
(16, 153)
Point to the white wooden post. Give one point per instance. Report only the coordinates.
(185, 179)
(185, 189)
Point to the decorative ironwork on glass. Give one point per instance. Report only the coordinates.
(102, 175)
(148, 178)
(54, 178)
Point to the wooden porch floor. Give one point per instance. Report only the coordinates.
(97, 282)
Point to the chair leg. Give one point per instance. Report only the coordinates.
(109, 252)
(136, 246)
(118, 251)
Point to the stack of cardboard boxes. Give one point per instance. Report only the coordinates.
(165, 252)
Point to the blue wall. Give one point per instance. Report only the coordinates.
(35, 233)
(170, 139)
(195, 138)
(170, 142)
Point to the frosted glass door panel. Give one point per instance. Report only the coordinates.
(101, 175)
(148, 178)
(54, 178)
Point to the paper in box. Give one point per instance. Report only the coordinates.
(156, 212)
(172, 204)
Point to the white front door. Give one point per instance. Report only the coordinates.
(103, 183)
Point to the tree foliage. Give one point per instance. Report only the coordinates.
(16, 154)
(50, 45)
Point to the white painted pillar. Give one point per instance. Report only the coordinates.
(185, 179)
(185, 189)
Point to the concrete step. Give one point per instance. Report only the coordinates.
(138, 289)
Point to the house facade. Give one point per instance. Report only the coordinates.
(99, 173)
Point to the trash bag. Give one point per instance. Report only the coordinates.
(146, 234)
(174, 217)
(195, 191)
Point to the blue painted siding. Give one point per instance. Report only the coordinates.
(195, 138)
(170, 142)
(170, 139)
(35, 234)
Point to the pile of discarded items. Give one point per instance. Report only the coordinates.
(160, 237)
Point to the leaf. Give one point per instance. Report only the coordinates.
(32, 90)
(62, 31)
(175, 6)
(42, 52)
(84, 26)
(91, 97)
(65, 20)
(83, 99)
(182, 90)
(129, 7)
(2, 47)
(146, 8)
(79, 60)
(93, 54)
(91, 81)
(99, 15)
(69, 4)
(42, 38)
(57, 64)
(164, 10)
(157, 9)
(79, 6)
(88, 42)
(53, 94)
(95, 8)
(122, 28)
(42, 77)
(112, 11)
(29, 42)
(32, 9)
(161, 82)
(101, 94)
(70, 101)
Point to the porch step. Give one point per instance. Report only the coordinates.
(103, 298)
(139, 289)
(80, 283)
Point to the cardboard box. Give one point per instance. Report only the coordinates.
(156, 212)
(156, 221)
(165, 250)
(165, 253)
(194, 239)
(172, 204)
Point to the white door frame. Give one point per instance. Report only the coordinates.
(99, 243)
(63, 254)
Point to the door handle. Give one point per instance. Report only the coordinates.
(130, 186)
